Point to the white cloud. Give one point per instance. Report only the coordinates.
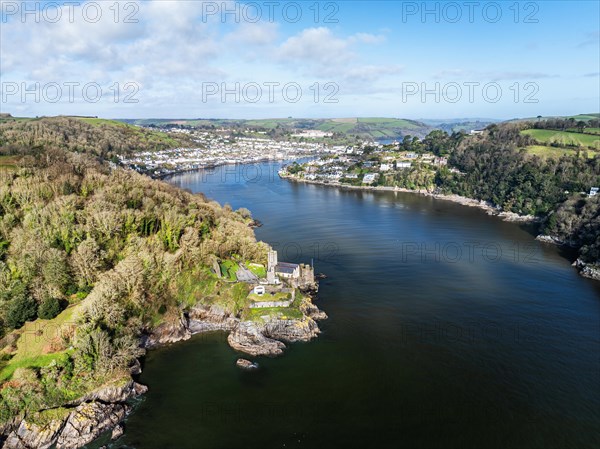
(254, 34)
(372, 72)
(316, 46)
(367, 38)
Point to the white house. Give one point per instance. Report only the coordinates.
(400, 165)
(385, 167)
(259, 290)
(369, 178)
(594, 191)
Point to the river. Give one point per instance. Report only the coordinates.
(448, 328)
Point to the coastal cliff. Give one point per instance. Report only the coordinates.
(76, 424)
(82, 421)
(265, 336)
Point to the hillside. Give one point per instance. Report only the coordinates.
(97, 262)
(365, 128)
(92, 136)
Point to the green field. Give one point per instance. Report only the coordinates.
(595, 131)
(585, 117)
(564, 138)
(368, 127)
(273, 312)
(258, 269)
(37, 343)
(267, 297)
(229, 269)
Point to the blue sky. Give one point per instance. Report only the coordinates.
(191, 59)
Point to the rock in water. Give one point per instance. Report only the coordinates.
(246, 364)
(117, 432)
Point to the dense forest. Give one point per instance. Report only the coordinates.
(107, 251)
(102, 138)
(496, 167)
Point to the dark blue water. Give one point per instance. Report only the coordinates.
(448, 329)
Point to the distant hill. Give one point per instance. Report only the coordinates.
(369, 127)
(583, 117)
(459, 124)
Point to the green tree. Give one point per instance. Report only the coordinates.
(23, 308)
(49, 308)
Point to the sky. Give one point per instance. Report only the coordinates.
(227, 59)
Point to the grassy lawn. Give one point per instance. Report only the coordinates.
(545, 151)
(585, 116)
(37, 344)
(563, 138)
(258, 269)
(228, 270)
(37, 337)
(291, 313)
(268, 297)
(203, 287)
(333, 126)
(39, 361)
(595, 131)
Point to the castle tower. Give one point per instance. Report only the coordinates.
(272, 260)
(272, 264)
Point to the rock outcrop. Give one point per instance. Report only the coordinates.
(82, 421)
(549, 239)
(254, 338)
(291, 330)
(309, 309)
(29, 435)
(85, 420)
(210, 318)
(590, 271)
(586, 269)
(169, 332)
(88, 422)
(247, 337)
(114, 393)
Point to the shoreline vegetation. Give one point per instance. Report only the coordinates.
(469, 202)
(587, 270)
(99, 263)
(492, 169)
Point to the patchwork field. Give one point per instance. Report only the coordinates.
(370, 127)
(564, 138)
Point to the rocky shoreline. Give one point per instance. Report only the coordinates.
(103, 410)
(470, 202)
(585, 269)
(258, 338)
(75, 424)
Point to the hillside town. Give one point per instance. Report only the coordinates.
(219, 148)
(370, 164)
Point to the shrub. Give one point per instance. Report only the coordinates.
(49, 308)
(23, 308)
